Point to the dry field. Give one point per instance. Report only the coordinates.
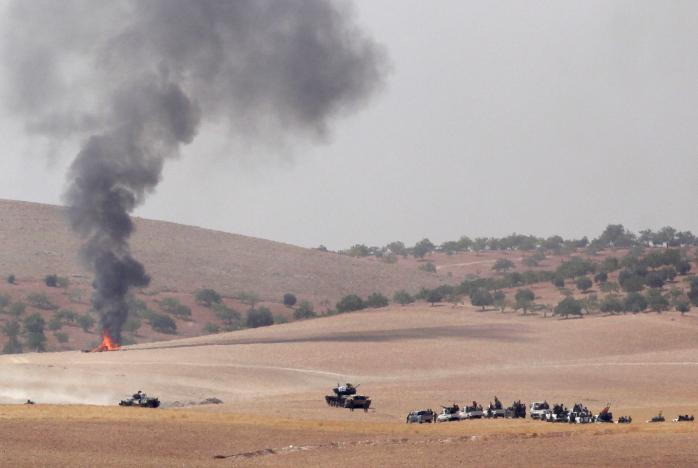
(272, 382)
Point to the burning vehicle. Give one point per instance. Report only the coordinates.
(141, 400)
(107, 344)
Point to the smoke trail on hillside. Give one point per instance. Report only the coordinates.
(136, 78)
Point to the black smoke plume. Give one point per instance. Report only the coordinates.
(135, 79)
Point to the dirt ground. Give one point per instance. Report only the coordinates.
(273, 380)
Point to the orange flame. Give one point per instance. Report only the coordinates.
(108, 343)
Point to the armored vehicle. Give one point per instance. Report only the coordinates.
(625, 420)
(657, 419)
(142, 400)
(357, 401)
(345, 397)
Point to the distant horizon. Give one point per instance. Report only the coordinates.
(437, 242)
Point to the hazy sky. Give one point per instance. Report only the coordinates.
(548, 117)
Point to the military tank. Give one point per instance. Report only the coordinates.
(141, 400)
(345, 396)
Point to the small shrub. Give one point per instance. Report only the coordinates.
(211, 328)
(51, 281)
(376, 300)
(207, 297)
(62, 282)
(249, 298)
(428, 267)
(601, 277)
(61, 337)
(279, 319)
(11, 279)
(34, 331)
(16, 309)
(402, 297)
(172, 306)
(66, 315)
(55, 324)
(350, 303)
(86, 322)
(634, 302)
(305, 310)
(229, 316)
(4, 302)
(611, 304)
(41, 301)
(132, 324)
(260, 317)
(163, 324)
(289, 300)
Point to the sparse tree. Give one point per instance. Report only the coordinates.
(601, 277)
(85, 322)
(422, 248)
(34, 331)
(481, 297)
(41, 301)
(61, 337)
(500, 300)
(248, 297)
(304, 310)
(656, 301)
(260, 317)
(16, 309)
(162, 323)
(524, 299)
(289, 300)
(584, 284)
(428, 267)
(51, 281)
(207, 297)
(434, 296)
(350, 303)
(402, 297)
(376, 300)
(568, 306)
(229, 316)
(682, 304)
(502, 264)
(611, 304)
(11, 330)
(558, 282)
(634, 302)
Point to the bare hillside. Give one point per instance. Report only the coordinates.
(35, 240)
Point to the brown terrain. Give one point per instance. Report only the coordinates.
(272, 380)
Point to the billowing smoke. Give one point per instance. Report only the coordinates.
(135, 79)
